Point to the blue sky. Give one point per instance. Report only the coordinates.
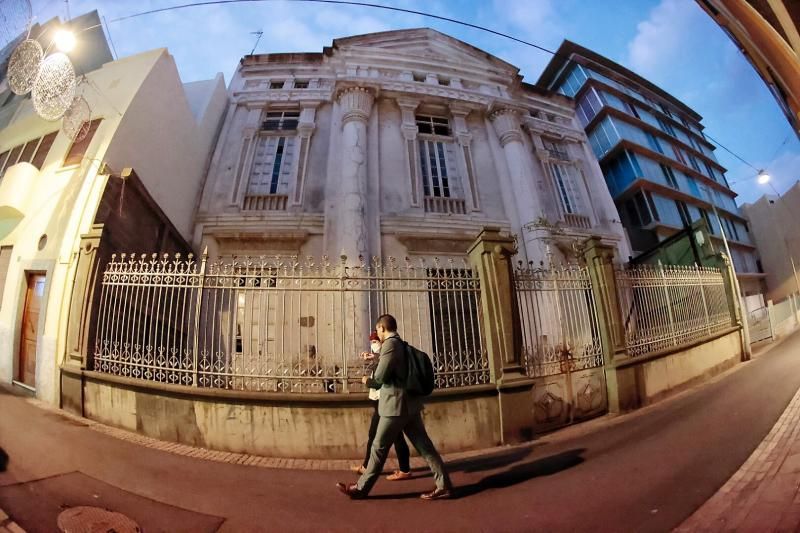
(673, 43)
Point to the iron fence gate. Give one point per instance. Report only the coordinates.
(561, 346)
(282, 324)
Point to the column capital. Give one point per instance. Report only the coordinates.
(356, 103)
(506, 123)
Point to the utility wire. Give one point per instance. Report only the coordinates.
(395, 9)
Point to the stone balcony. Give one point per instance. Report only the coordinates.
(265, 202)
(577, 221)
(447, 206)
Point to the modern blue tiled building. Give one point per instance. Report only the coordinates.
(658, 165)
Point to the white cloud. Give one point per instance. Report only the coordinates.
(662, 37)
(525, 14)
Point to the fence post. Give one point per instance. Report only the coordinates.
(735, 305)
(668, 299)
(771, 317)
(82, 301)
(490, 255)
(197, 311)
(621, 382)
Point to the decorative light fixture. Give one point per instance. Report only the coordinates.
(763, 177)
(64, 40)
(75, 122)
(54, 88)
(23, 66)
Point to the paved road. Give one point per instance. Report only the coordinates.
(643, 472)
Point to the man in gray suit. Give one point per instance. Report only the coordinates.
(399, 412)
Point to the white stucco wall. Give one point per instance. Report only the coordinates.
(386, 64)
(60, 202)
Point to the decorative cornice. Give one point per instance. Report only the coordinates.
(506, 123)
(356, 103)
(539, 126)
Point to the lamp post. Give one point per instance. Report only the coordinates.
(745, 337)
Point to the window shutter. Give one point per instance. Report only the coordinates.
(78, 149)
(43, 150)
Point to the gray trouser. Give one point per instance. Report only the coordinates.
(389, 428)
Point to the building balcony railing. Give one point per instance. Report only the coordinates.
(449, 206)
(574, 220)
(558, 154)
(265, 202)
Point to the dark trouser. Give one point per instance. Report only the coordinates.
(389, 427)
(400, 446)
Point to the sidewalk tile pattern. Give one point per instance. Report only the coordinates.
(764, 494)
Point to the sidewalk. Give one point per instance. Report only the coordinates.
(764, 495)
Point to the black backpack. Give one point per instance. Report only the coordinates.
(420, 380)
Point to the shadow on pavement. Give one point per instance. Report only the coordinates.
(489, 462)
(546, 466)
(3, 460)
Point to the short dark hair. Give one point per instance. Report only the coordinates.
(388, 322)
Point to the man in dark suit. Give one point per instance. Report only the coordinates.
(399, 412)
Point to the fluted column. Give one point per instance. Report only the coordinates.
(526, 197)
(352, 239)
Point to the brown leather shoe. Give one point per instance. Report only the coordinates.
(437, 494)
(397, 475)
(351, 490)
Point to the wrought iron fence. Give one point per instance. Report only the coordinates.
(282, 324)
(666, 306)
(560, 331)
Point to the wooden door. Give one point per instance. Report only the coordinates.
(30, 329)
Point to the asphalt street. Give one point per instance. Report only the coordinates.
(646, 471)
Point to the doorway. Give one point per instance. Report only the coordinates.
(34, 295)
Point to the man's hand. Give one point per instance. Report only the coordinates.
(368, 356)
(364, 379)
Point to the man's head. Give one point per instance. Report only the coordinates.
(385, 326)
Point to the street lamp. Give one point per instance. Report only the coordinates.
(763, 177)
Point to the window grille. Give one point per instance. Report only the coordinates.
(433, 125)
(281, 120)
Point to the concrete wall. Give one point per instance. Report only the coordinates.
(164, 142)
(648, 379)
(773, 224)
(296, 427)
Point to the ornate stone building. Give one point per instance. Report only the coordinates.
(399, 143)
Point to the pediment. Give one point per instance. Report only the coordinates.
(426, 43)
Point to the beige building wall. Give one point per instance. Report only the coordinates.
(773, 224)
(44, 212)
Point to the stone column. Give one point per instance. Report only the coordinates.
(464, 138)
(351, 225)
(409, 128)
(528, 202)
(621, 380)
(491, 255)
(305, 129)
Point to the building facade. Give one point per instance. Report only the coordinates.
(401, 143)
(659, 167)
(776, 232)
(768, 34)
(51, 190)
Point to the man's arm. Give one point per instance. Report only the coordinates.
(386, 364)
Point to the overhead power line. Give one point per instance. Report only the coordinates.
(395, 9)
